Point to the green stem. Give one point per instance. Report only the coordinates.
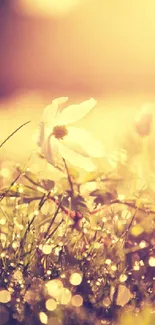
(13, 133)
(69, 178)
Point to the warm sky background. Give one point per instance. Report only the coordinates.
(102, 48)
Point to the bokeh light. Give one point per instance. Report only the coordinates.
(65, 296)
(54, 288)
(152, 261)
(5, 296)
(75, 279)
(77, 301)
(43, 318)
(51, 304)
(46, 249)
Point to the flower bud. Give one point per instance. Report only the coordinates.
(143, 121)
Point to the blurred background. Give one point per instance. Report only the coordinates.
(76, 48)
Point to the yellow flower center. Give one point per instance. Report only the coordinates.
(59, 131)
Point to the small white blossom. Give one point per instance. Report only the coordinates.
(58, 140)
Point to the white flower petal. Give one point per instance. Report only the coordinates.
(42, 135)
(53, 154)
(76, 159)
(83, 142)
(51, 112)
(49, 147)
(74, 113)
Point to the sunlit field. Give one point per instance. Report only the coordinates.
(77, 162)
(77, 233)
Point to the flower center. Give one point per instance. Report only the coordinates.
(59, 131)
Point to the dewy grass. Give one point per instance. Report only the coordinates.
(114, 263)
(79, 250)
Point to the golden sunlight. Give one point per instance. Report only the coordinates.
(77, 162)
(46, 7)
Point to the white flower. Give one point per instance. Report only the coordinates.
(58, 140)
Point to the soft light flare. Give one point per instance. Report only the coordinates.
(46, 8)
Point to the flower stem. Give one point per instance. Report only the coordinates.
(69, 178)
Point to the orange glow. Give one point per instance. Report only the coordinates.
(46, 7)
(100, 47)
